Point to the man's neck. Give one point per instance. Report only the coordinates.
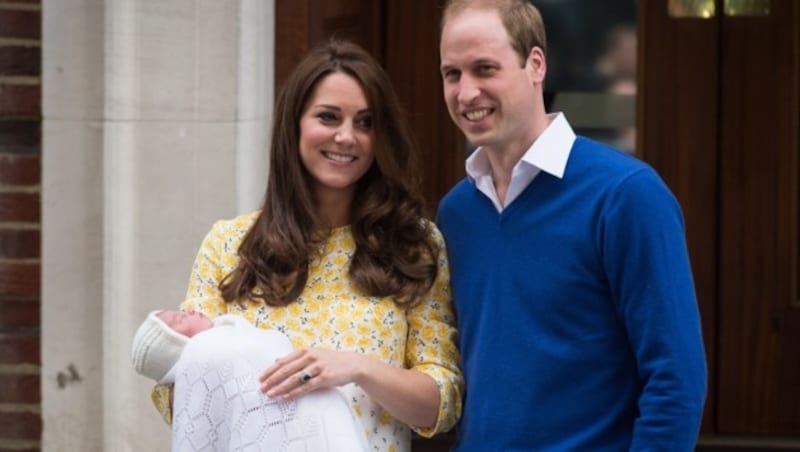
(504, 157)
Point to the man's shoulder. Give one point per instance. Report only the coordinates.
(599, 150)
(464, 187)
(603, 160)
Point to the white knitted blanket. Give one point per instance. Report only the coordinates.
(219, 407)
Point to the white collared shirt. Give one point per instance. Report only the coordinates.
(548, 153)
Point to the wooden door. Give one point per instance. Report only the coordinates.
(759, 310)
(718, 115)
(412, 61)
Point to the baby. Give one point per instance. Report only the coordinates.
(218, 404)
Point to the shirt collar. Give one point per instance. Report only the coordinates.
(549, 152)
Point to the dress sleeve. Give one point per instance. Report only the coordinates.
(160, 398)
(431, 346)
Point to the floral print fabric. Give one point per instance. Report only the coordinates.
(331, 313)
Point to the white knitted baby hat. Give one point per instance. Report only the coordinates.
(156, 347)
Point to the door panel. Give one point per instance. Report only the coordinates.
(301, 24)
(759, 327)
(412, 61)
(718, 115)
(678, 129)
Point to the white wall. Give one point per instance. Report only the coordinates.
(156, 116)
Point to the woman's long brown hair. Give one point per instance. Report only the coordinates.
(395, 255)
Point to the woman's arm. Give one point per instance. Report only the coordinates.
(408, 395)
(426, 394)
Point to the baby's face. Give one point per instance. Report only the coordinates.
(186, 323)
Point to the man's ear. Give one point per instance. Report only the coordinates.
(536, 65)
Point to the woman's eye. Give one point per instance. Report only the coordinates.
(365, 123)
(326, 116)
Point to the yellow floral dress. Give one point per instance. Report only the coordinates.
(331, 313)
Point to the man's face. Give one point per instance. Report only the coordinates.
(489, 92)
(185, 323)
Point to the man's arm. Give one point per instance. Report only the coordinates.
(650, 275)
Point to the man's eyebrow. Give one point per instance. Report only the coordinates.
(483, 61)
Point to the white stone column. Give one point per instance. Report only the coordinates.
(156, 115)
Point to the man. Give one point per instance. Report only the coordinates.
(578, 322)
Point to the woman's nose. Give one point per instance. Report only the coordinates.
(344, 135)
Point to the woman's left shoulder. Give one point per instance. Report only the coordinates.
(433, 231)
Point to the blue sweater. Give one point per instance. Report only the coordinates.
(578, 323)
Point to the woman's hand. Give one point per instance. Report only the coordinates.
(310, 369)
(409, 395)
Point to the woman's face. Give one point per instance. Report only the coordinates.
(336, 136)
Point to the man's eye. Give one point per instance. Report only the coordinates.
(450, 75)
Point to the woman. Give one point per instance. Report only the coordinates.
(340, 258)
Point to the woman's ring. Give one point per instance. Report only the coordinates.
(305, 377)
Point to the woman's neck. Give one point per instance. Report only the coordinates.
(333, 208)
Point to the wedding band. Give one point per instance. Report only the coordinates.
(305, 377)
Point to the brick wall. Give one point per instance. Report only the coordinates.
(20, 213)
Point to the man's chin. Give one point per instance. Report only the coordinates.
(476, 139)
